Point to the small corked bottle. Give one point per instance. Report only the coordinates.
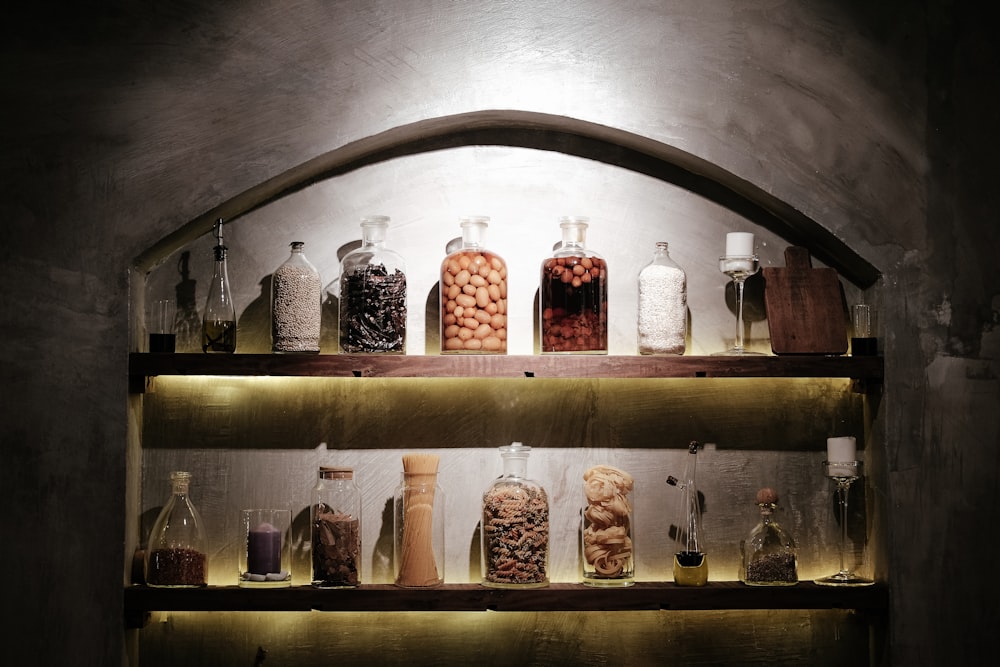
(515, 526)
(768, 555)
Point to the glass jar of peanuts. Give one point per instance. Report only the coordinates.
(515, 526)
(473, 295)
(608, 554)
(573, 298)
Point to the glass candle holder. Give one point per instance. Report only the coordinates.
(265, 553)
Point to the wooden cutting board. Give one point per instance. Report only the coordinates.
(806, 310)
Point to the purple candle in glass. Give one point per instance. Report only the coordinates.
(264, 549)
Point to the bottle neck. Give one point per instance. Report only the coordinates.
(473, 232)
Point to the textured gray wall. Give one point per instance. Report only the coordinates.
(123, 121)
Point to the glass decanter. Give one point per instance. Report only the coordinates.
(690, 563)
(573, 297)
(768, 555)
(515, 528)
(373, 294)
(218, 326)
(295, 305)
(176, 556)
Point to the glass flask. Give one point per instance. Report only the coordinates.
(473, 295)
(295, 304)
(573, 298)
(608, 552)
(662, 320)
(335, 520)
(690, 563)
(218, 325)
(768, 555)
(418, 524)
(515, 528)
(176, 556)
(373, 294)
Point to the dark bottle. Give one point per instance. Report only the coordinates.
(218, 326)
(573, 298)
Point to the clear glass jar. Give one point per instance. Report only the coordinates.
(662, 319)
(296, 305)
(176, 556)
(218, 325)
(373, 294)
(335, 518)
(768, 555)
(418, 525)
(608, 551)
(265, 559)
(515, 528)
(573, 298)
(690, 563)
(473, 295)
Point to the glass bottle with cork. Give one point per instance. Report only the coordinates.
(768, 555)
(335, 520)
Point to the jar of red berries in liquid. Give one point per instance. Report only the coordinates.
(573, 296)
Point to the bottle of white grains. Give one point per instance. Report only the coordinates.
(295, 305)
(662, 321)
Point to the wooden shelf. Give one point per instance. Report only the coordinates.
(144, 365)
(643, 596)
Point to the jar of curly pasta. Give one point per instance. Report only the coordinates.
(515, 526)
(608, 557)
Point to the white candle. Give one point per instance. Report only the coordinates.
(842, 450)
(739, 244)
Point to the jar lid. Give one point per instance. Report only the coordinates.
(335, 472)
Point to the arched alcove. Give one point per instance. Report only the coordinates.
(547, 132)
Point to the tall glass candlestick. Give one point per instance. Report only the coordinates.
(738, 268)
(843, 473)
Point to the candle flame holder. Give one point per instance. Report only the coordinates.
(738, 268)
(843, 473)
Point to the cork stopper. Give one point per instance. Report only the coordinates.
(767, 496)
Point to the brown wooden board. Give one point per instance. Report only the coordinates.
(806, 311)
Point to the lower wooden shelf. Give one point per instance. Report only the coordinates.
(140, 601)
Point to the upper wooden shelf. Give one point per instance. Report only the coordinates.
(140, 600)
(142, 365)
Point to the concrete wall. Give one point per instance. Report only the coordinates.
(122, 121)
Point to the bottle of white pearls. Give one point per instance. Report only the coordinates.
(295, 305)
(662, 321)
